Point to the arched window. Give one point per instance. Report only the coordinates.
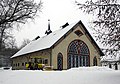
(60, 61)
(78, 54)
(95, 61)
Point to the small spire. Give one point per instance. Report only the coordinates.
(49, 30)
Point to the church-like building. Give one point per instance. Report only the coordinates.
(70, 46)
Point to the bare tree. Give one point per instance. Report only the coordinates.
(11, 43)
(15, 11)
(106, 24)
(25, 42)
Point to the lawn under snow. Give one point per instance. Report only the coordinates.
(83, 75)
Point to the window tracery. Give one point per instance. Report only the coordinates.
(78, 54)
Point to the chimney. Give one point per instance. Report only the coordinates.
(65, 25)
(49, 30)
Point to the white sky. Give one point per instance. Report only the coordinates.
(58, 11)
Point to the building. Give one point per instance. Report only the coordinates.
(70, 46)
(5, 61)
(113, 63)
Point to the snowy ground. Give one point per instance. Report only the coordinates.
(89, 75)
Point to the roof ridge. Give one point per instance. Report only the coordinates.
(41, 43)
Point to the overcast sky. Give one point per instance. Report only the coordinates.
(59, 12)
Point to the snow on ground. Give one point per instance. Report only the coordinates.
(82, 75)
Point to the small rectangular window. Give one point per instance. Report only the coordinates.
(35, 60)
(22, 64)
(46, 61)
(18, 64)
(40, 60)
(25, 63)
(32, 60)
(78, 33)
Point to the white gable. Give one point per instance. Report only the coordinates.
(44, 42)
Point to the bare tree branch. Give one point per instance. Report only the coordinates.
(107, 23)
(15, 11)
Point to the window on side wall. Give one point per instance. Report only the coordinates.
(25, 63)
(46, 61)
(40, 60)
(18, 64)
(22, 64)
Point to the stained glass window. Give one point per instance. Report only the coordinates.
(72, 48)
(78, 54)
(84, 49)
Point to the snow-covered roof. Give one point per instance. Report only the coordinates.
(45, 41)
(48, 41)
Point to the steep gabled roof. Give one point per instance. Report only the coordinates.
(49, 40)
